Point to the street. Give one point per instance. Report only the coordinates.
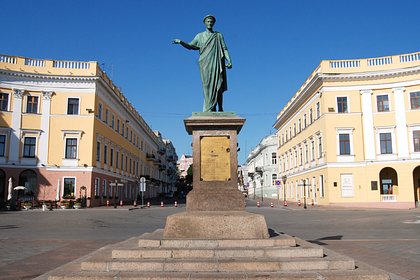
(34, 242)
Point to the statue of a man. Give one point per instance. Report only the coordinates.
(214, 59)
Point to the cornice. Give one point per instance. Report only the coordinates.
(46, 77)
(374, 75)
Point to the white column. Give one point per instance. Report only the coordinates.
(401, 123)
(45, 127)
(16, 123)
(368, 129)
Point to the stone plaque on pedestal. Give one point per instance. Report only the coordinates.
(215, 206)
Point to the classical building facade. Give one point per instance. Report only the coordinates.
(66, 131)
(351, 134)
(183, 164)
(261, 169)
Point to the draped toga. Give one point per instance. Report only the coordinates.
(212, 67)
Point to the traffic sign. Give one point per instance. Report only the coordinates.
(278, 183)
(142, 184)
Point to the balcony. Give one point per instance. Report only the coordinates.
(150, 157)
(388, 198)
(161, 151)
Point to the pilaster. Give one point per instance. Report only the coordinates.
(368, 129)
(16, 126)
(401, 123)
(45, 127)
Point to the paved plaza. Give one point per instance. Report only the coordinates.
(34, 242)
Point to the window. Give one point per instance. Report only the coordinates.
(99, 111)
(273, 158)
(73, 106)
(304, 121)
(116, 159)
(105, 154)
(415, 100)
(4, 101)
(274, 178)
(319, 147)
(300, 156)
(306, 153)
(311, 118)
(344, 142)
(106, 116)
(98, 151)
(294, 129)
(342, 105)
(2, 145)
(312, 150)
(122, 162)
(71, 148)
(382, 103)
(111, 157)
(69, 187)
(416, 140)
(299, 125)
(112, 121)
(32, 104)
(118, 126)
(104, 187)
(96, 187)
(386, 143)
(29, 146)
(321, 186)
(123, 129)
(318, 110)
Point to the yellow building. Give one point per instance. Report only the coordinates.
(350, 135)
(66, 131)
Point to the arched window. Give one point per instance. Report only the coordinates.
(28, 179)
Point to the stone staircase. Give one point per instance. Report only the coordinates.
(151, 257)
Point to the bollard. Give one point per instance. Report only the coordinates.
(271, 204)
(107, 203)
(258, 204)
(176, 204)
(312, 203)
(135, 203)
(148, 204)
(121, 203)
(299, 204)
(161, 204)
(285, 203)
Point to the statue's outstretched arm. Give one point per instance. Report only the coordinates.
(184, 44)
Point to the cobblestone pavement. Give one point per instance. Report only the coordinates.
(34, 242)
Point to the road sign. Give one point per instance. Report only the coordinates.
(142, 184)
(278, 183)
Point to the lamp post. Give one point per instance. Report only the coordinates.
(284, 178)
(262, 188)
(304, 193)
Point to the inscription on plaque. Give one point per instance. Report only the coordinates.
(215, 158)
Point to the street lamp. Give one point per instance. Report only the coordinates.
(284, 178)
(304, 193)
(262, 188)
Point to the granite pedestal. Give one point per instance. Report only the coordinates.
(215, 206)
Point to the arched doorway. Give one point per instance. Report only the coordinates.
(28, 179)
(416, 184)
(2, 187)
(388, 179)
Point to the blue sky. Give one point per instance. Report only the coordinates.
(274, 46)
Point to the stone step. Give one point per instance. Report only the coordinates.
(222, 265)
(174, 253)
(278, 241)
(363, 273)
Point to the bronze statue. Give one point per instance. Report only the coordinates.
(214, 59)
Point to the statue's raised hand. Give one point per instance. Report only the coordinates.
(176, 41)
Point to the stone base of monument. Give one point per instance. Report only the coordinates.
(151, 256)
(216, 224)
